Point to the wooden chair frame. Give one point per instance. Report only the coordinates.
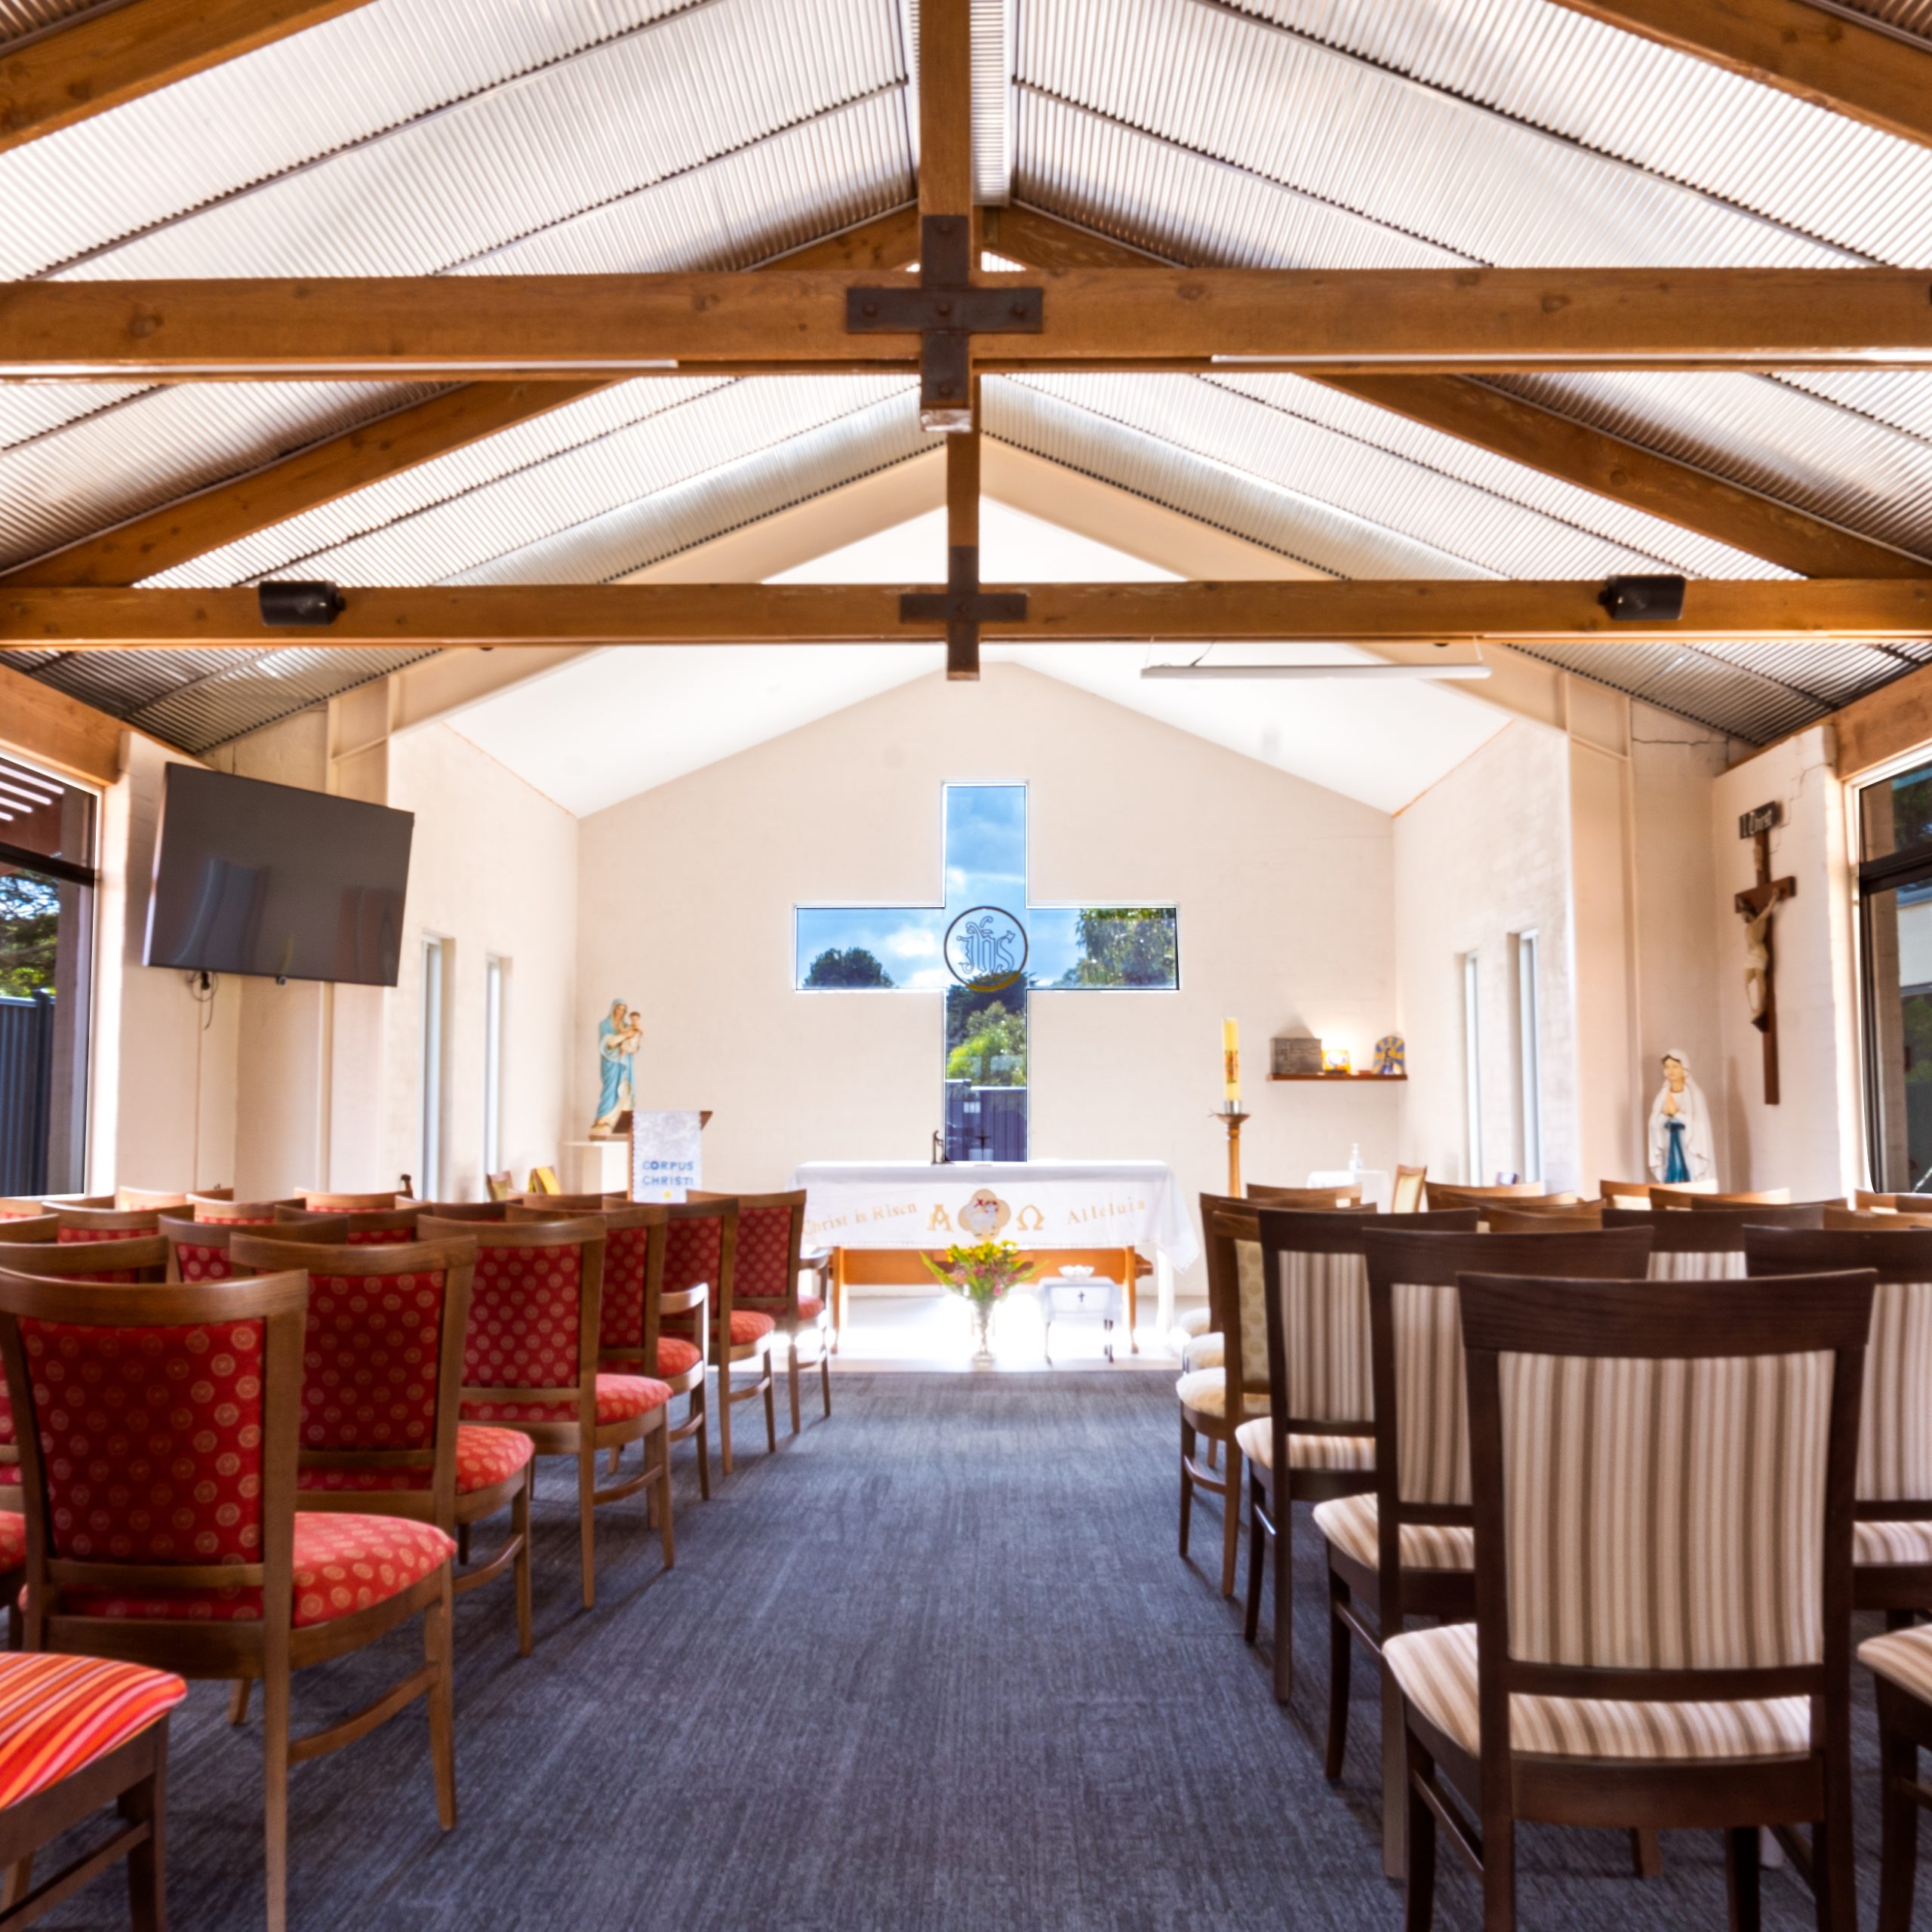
(1586, 1217)
(234, 1214)
(265, 1251)
(23, 1207)
(44, 1228)
(1316, 1200)
(111, 1221)
(1451, 1195)
(788, 1318)
(1905, 1729)
(583, 1436)
(1668, 1198)
(1506, 1314)
(1224, 1221)
(323, 1202)
(271, 1648)
(146, 1200)
(321, 1230)
(464, 1210)
(1847, 1220)
(725, 1352)
(1611, 1191)
(133, 1778)
(145, 1256)
(1895, 1204)
(1388, 1593)
(1889, 1255)
(1273, 1490)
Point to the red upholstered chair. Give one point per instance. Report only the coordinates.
(700, 1246)
(77, 1734)
(22, 1207)
(142, 1261)
(466, 1211)
(191, 1555)
(198, 1250)
(764, 1279)
(631, 1341)
(30, 1227)
(148, 1199)
(325, 1203)
(106, 1223)
(382, 1374)
(531, 1363)
(366, 1226)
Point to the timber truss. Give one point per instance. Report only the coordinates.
(1406, 341)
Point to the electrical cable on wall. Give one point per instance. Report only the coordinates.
(202, 987)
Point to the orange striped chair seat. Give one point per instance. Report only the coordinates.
(58, 1714)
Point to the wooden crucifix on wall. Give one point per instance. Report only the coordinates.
(1756, 907)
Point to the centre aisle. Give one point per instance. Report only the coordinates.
(933, 1667)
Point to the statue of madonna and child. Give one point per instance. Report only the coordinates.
(620, 1034)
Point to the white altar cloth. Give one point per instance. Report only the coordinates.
(1034, 1204)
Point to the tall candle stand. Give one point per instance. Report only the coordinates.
(1230, 1115)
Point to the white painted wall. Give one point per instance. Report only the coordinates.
(1484, 854)
(1811, 1142)
(1284, 892)
(162, 1067)
(493, 869)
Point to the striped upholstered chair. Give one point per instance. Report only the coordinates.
(531, 1364)
(77, 1734)
(1900, 1662)
(1216, 1398)
(1407, 1548)
(1317, 1441)
(1709, 1246)
(1661, 1476)
(382, 1367)
(1892, 1536)
(122, 1552)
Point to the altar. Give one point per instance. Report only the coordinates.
(876, 1218)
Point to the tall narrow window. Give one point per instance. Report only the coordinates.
(1895, 920)
(1472, 1066)
(47, 881)
(429, 1182)
(1529, 1053)
(495, 971)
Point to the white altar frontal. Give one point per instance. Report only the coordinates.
(910, 1207)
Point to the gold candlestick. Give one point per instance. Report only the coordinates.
(1232, 1117)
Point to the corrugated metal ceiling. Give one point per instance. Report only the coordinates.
(613, 135)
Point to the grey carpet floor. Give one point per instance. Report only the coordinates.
(934, 1666)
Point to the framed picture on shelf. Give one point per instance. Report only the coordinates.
(1335, 1060)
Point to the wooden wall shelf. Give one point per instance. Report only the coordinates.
(1379, 1079)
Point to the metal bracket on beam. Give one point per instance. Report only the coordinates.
(962, 606)
(946, 311)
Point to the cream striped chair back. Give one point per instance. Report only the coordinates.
(1707, 1246)
(1663, 1476)
(1895, 1421)
(1422, 1437)
(1237, 1294)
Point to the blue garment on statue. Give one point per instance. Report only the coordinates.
(1676, 1168)
(612, 1070)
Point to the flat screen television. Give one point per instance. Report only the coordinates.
(270, 879)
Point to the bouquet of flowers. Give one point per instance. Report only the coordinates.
(983, 1273)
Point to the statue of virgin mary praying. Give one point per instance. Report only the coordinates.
(1680, 1127)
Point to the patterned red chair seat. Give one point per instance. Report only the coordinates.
(343, 1563)
(676, 1356)
(619, 1398)
(748, 1325)
(199, 1264)
(104, 1233)
(485, 1457)
(13, 1539)
(60, 1713)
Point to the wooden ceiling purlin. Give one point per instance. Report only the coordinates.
(1528, 434)
(1425, 610)
(1822, 54)
(113, 55)
(784, 319)
(174, 533)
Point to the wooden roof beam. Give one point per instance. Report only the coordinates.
(1427, 611)
(116, 55)
(1526, 433)
(161, 539)
(1378, 321)
(1823, 57)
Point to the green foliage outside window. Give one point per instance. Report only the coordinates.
(29, 934)
(1124, 945)
(852, 967)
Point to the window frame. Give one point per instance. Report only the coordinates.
(434, 1012)
(495, 996)
(1911, 865)
(1471, 966)
(1529, 1051)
